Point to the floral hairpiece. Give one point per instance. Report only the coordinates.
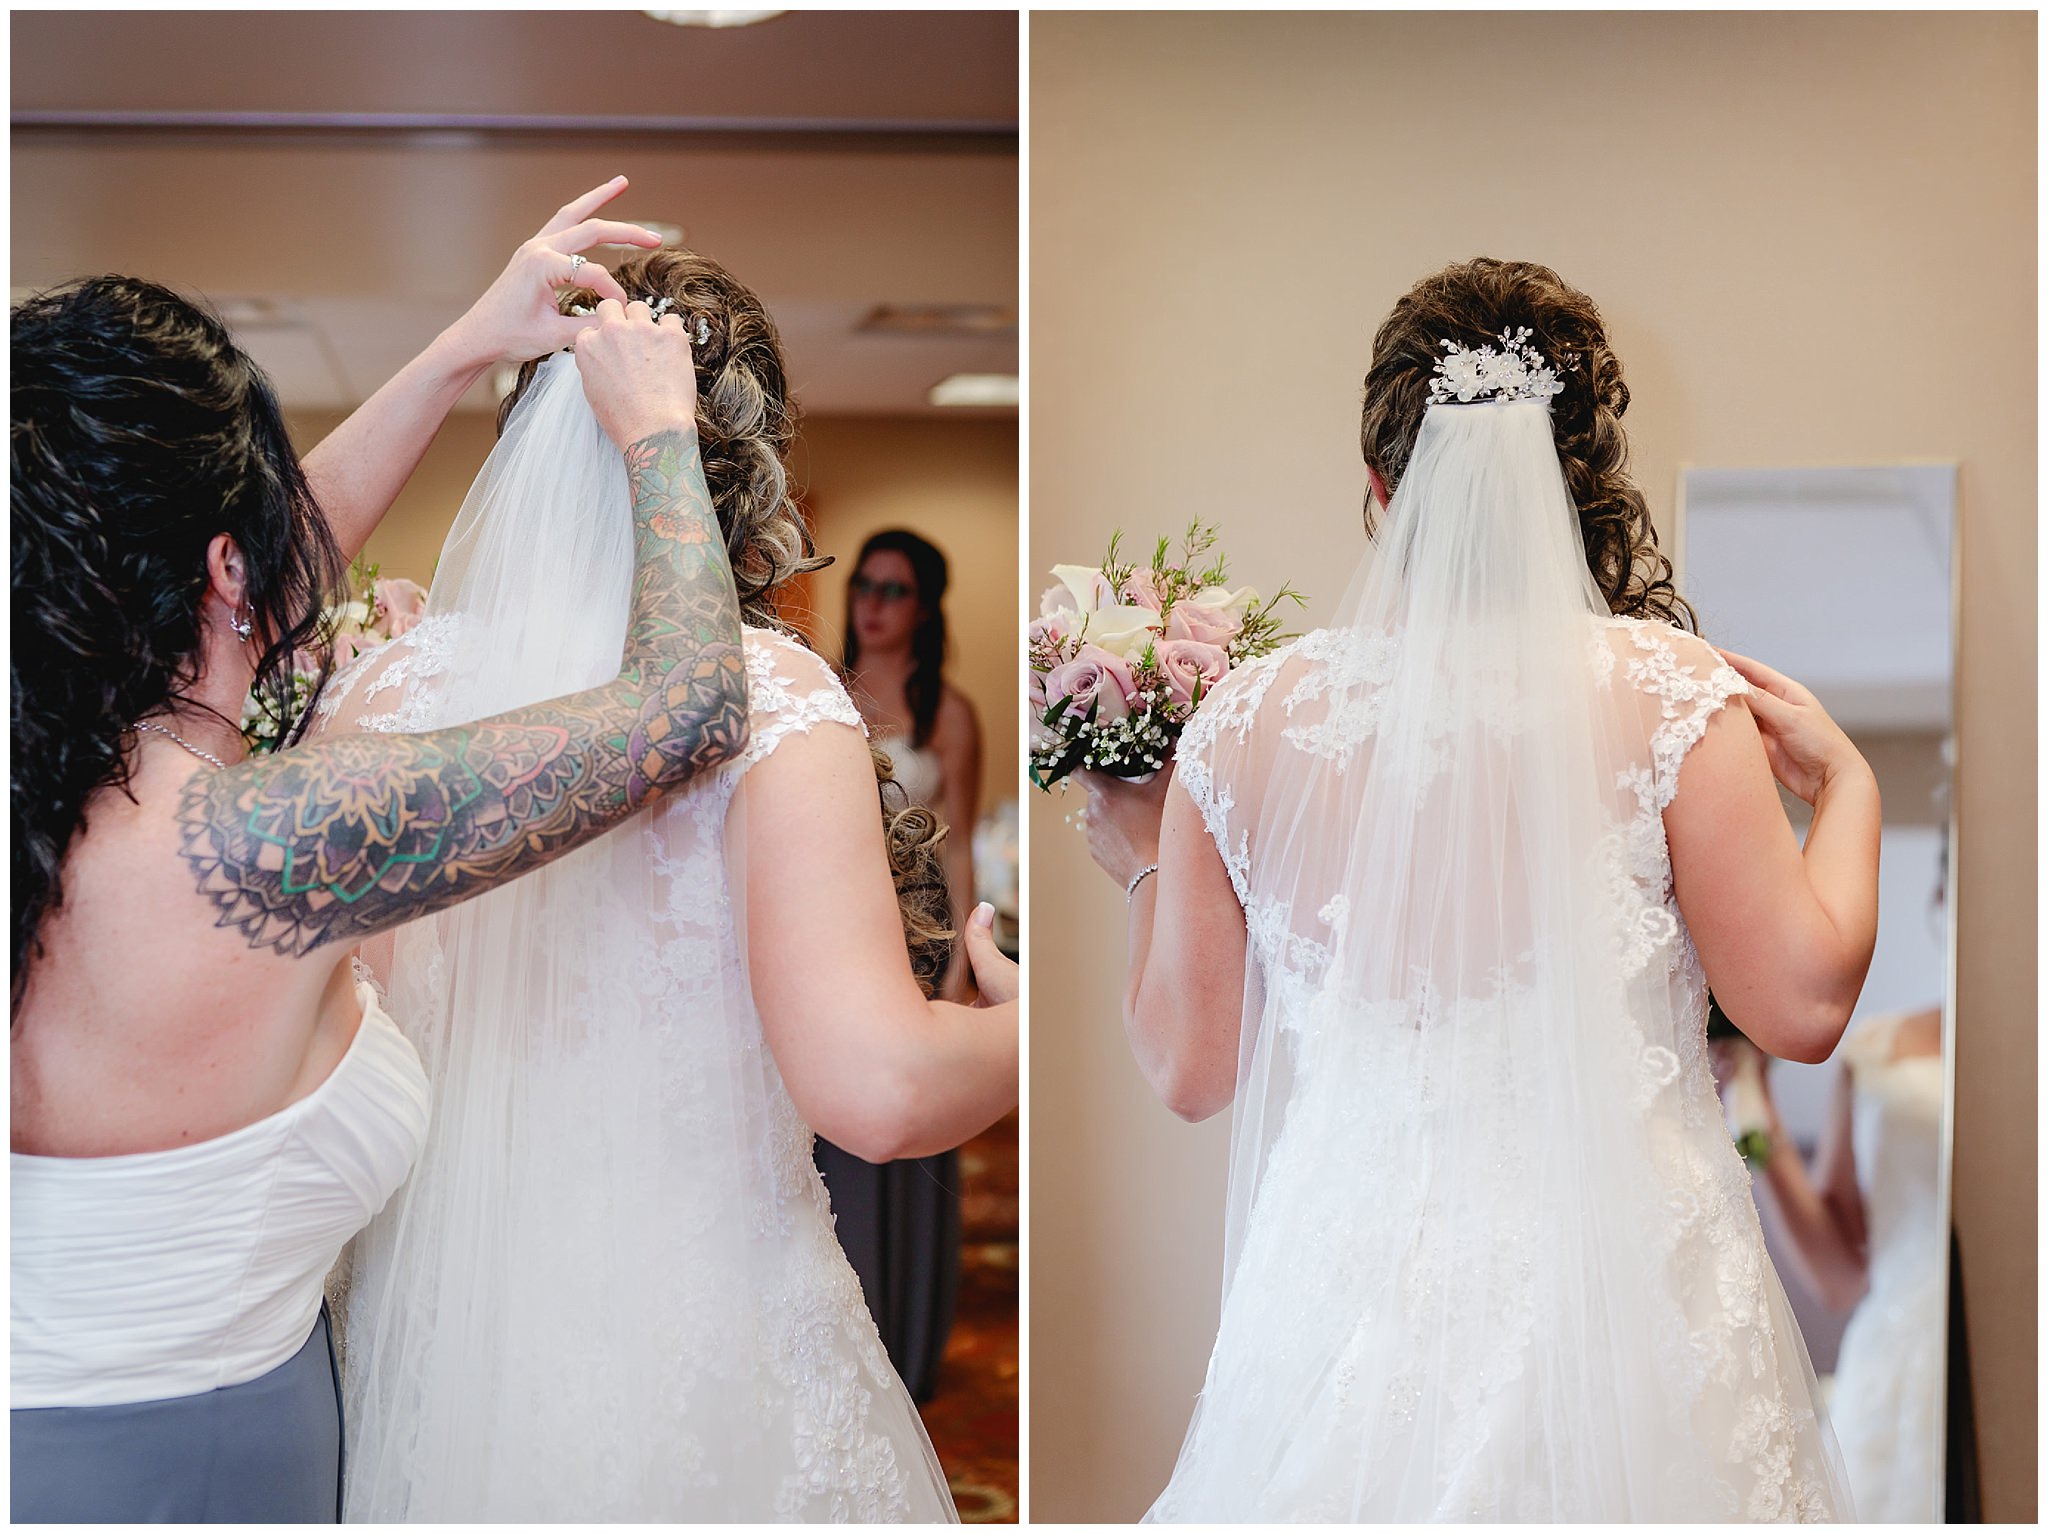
(1513, 370)
(656, 307)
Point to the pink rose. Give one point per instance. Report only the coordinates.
(399, 605)
(1141, 590)
(1187, 664)
(1057, 599)
(1202, 624)
(1093, 676)
(348, 646)
(1053, 628)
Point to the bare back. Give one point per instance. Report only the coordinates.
(146, 1024)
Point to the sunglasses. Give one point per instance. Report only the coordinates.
(881, 591)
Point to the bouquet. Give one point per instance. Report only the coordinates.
(1122, 654)
(375, 610)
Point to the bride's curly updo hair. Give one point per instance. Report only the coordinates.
(914, 836)
(746, 421)
(746, 425)
(140, 431)
(1471, 303)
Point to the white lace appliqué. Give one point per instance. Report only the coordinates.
(761, 1343)
(1399, 1081)
(413, 658)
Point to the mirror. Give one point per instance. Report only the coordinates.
(1842, 578)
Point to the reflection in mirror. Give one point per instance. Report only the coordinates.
(1841, 579)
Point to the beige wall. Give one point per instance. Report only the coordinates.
(953, 481)
(1814, 239)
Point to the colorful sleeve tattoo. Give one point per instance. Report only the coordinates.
(334, 841)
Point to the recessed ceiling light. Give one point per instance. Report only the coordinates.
(976, 389)
(940, 319)
(712, 18)
(257, 312)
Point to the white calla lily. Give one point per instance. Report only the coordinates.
(1123, 631)
(1090, 587)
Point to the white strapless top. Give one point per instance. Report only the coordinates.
(917, 769)
(170, 1273)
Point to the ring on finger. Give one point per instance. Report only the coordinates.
(576, 265)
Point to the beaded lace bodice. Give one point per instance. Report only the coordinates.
(1454, 1325)
(696, 1344)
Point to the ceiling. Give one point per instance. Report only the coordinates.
(343, 183)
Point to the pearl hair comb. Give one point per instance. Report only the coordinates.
(657, 307)
(1510, 371)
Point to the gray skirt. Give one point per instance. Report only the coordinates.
(268, 1451)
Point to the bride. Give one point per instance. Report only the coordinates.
(1431, 900)
(611, 1289)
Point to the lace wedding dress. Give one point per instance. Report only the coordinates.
(1886, 1397)
(1490, 1254)
(611, 1289)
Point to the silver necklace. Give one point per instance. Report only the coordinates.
(164, 729)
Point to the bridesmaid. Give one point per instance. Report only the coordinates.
(207, 1099)
(900, 1223)
(894, 660)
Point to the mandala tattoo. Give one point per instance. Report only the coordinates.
(335, 841)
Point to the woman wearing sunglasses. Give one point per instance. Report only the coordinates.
(900, 1223)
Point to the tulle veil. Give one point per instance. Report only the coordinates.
(602, 1294)
(1478, 1253)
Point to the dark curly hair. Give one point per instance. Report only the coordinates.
(746, 425)
(746, 421)
(926, 684)
(1471, 303)
(140, 432)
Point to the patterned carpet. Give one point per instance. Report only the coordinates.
(973, 1417)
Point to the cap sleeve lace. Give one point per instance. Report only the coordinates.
(1210, 758)
(1687, 682)
(387, 690)
(790, 691)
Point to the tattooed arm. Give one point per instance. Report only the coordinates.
(335, 841)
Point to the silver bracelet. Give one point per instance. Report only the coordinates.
(1138, 878)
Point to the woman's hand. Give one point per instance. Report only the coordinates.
(517, 317)
(995, 973)
(638, 373)
(1123, 820)
(1806, 748)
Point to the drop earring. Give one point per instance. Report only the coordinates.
(243, 627)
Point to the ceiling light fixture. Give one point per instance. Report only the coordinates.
(940, 319)
(976, 389)
(712, 18)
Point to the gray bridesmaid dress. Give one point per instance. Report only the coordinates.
(172, 1359)
(266, 1451)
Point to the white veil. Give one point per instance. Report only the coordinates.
(1479, 1192)
(570, 1311)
